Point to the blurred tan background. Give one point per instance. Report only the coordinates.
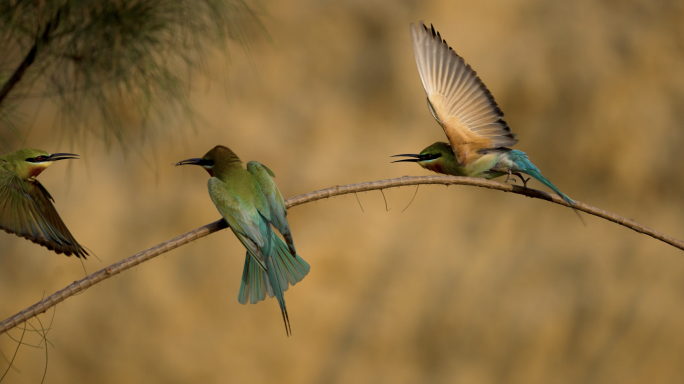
(466, 286)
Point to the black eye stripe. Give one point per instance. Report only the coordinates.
(37, 159)
(430, 156)
(207, 162)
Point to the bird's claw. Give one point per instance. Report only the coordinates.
(508, 177)
(523, 179)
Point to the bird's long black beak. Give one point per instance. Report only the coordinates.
(415, 158)
(62, 156)
(195, 161)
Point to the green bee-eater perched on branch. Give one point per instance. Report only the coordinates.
(25, 206)
(251, 203)
(460, 102)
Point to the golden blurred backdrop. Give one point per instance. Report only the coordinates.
(465, 286)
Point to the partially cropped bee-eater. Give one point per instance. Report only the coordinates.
(25, 205)
(460, 102)
(250, 202)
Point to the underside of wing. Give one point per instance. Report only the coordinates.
(26, 210)
(457, 98)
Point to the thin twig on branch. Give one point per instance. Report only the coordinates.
(216, 226)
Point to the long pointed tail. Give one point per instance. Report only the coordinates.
(277, 278)
(282, 270)
(533, 171)
(255, 282)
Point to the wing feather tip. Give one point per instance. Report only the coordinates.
(503, 135)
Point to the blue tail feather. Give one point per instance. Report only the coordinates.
(294, 267)
(537, 175)
(526, 166)
(255, 284)
(276, 274)
(283, 270)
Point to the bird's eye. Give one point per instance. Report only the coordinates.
(206, 162)
(36, 159)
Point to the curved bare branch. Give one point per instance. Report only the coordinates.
(216, 226)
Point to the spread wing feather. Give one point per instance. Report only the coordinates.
(26, 210)
(457, 98)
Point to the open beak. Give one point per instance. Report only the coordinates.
(62, 156)
(415, 158)
(195, 161)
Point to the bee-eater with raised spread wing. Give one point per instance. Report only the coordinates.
(25, 206)
(460, 102)
(250, 202)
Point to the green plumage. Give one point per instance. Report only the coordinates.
(252, 205)
(26, 207)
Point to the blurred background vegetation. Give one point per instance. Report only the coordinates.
(116, 69)
(465, 286)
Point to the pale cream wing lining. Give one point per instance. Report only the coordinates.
(457, 98)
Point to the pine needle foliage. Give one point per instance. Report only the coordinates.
(115, 68)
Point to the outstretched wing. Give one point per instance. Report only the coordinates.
(457, 98)
(263, 175)
(27, 211)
